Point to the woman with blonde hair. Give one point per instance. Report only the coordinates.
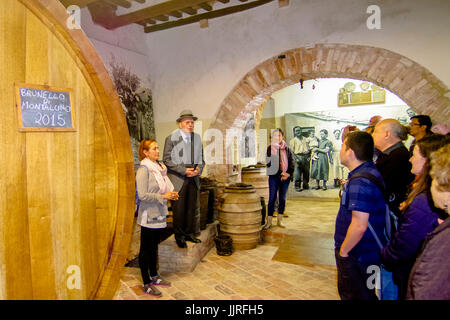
(154, 189)
(430, 276)
(419, 216)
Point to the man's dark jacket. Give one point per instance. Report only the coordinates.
(394, 166)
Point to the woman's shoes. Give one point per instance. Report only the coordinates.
(268, 223)
(280, 221)
(158, 281)
(151, 290)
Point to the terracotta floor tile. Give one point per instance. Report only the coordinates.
(182, 286)
(224, 290)
(253, 274)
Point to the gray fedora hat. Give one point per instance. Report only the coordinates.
(186, 114)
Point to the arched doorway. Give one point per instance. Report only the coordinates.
(414, 84)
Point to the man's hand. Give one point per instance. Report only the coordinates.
(191, 172)
(285, 176)
(355, 232)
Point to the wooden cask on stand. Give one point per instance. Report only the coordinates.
(240, 215)
(67, 197)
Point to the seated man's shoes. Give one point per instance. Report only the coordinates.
(194, 240)
(181, 243)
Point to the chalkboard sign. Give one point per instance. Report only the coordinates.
(44, 108)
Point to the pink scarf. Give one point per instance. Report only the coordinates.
(160, 173)
(283, 154)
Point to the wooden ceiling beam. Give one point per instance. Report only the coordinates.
(189, 10)
(122, 3)
(161, 18)
(80, 3)
(206, 15)
(175, 14)
(154, 11)
(283, 3)
(150, 21)
(145, 22)
(102, 13)
(205, 6)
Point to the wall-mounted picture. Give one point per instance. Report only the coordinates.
(367, 94)
(137, 104)
(315, 139)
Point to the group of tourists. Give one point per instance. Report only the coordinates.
(393, 201)
(389, 208)
(393, 208)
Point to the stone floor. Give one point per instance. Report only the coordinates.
(279, 269)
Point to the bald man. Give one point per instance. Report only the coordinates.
(372, 123)
(393, 160)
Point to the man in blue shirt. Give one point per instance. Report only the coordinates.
(362, 202)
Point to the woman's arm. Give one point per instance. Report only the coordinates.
(291, 166)
(324, 150)
(412, 230)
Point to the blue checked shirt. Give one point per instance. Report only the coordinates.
(362, 195)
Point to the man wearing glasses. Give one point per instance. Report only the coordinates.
(419, 128)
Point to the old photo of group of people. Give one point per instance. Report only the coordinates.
(309, 131)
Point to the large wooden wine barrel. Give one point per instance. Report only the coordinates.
(240, 216)
(67, 197)
(256, 176)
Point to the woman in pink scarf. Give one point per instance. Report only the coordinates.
(280, 169)
(154, 189)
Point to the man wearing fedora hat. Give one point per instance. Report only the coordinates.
(183, 156)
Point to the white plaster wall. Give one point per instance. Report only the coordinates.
(196, 68)
(127, 44)
(190, 67)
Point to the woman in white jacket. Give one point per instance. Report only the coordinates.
(154, 189)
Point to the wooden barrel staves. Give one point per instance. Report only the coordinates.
(204, 195)
(240, 215)
(256, 176)
(66, 170)
(209, 186)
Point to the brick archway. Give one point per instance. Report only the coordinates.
(417, 86)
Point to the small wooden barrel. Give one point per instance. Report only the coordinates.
(240, 215)
(256, 176)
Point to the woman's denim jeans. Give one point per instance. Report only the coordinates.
(276, 186)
